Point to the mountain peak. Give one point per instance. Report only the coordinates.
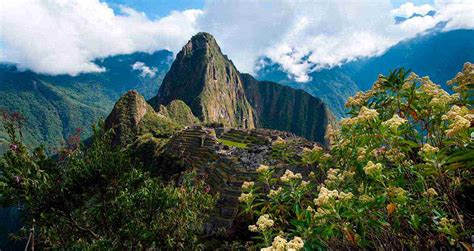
(208, 82)
(203, 36)
(201, 41)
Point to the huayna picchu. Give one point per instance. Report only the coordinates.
(217, 93)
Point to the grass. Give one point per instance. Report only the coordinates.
(232, 143)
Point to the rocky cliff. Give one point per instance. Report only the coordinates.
(286, 109)
(208, 82)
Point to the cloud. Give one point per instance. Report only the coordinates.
(145, 70)
(305, 36)
(408, 9)
(58, 37)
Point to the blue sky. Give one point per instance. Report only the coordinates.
(65, 37)
(160, 8)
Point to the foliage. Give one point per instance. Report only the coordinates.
(96, 197)
(398, 175)
(232, 143)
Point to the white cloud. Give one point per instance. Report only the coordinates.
(304, 36)
(145, 70)
(408, 9)
(56, 36)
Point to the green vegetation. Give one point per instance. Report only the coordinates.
(398, 175)
(97, 197)
(56, 106)
(232, 143)
(179, 113)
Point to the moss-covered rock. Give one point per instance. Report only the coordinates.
(179, 113)
(133, 116)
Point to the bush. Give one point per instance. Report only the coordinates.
(398, 174)
(95, 196)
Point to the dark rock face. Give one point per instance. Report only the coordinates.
(286, 109)
(208, 82)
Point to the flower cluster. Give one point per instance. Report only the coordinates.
(361, 153)
(366, 114)
(246, 185)
(372, 169)
(280, 244)
(274, 193)
(263, 168)
(326, 196)
(366, 198)
(289, 175)
(460, 118)
(246, 197)
(263, 223)
(304, 183)
(359, 99)
(427, 149)
(464, 79)
(394, 122)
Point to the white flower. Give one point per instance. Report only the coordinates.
(253, 228)
(263, 168)
(296, 244)
(245, 197)
(325, 195)
(345, 196)
(289, 175)
(366, 114)
(279, 243)
(458, 125)
(428, 149)
(304, 183)
(372, 169)
(247, 185)
(264, 222)
(394, 122)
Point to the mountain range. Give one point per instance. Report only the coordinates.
(56, 105)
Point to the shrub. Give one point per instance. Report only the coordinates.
(95, 196)
(396, 176)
